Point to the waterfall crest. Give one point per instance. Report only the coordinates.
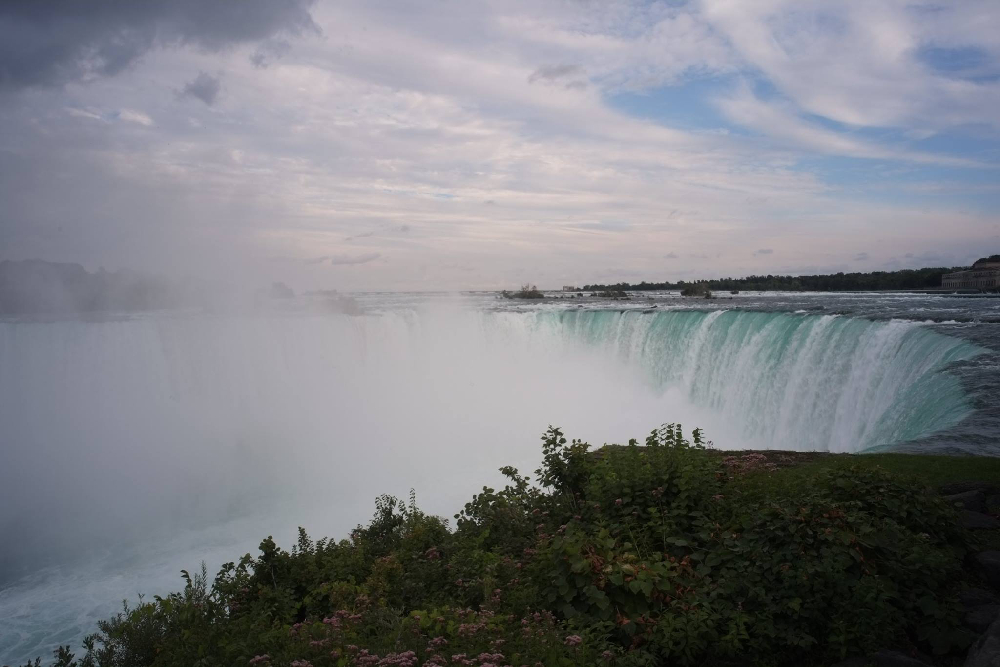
(790, 381)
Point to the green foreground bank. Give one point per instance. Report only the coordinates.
(666, 552)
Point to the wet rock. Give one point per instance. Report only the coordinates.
(962, 487)
(977, 521)
(975, 597)
(989, 563)
(982, 617)
(885, 658)
(856, 662)
(986, 651)
(896, 659)
(993, 501)
(974, 500)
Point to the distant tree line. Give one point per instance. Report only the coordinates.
(928, 278)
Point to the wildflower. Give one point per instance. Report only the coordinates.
(619, 502)
(573, 640)
(257, 659)
(404, 659)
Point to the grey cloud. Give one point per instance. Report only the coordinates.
(49, 43)
(763, 251)
(205, 87)
(343, 260)
(549, 73)
(671, 255)
(269, 51)
(861, 257)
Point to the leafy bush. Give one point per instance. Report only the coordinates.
(697, 289)
(526, 292)
(665, 553)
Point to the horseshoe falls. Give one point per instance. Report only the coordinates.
(786, 381)
(218, 430)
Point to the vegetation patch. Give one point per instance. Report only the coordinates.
(526, 292)
(664, 553)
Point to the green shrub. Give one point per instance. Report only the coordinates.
(665, 553)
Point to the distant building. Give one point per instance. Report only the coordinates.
(984, 275)
(570, 288)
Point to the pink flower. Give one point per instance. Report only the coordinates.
(573, 640)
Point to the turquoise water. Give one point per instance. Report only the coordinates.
(803, 382)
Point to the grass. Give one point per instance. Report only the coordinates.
(932, 470)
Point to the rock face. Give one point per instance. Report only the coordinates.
(974, 500)
(974, 597)
(989, 563)
(884, 659)
(896, 659)
(978, 521)
(962, 487)
(986, 651)
(982, 617)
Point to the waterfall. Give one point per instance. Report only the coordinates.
(136, 447)
(789, 381)
(146, 420)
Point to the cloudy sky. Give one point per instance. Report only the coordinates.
(453, 144)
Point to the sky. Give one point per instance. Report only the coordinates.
(479, 145)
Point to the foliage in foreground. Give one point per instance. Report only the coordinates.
(663, 554)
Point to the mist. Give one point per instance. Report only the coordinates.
(122, 429)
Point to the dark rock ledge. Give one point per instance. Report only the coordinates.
(981, 605)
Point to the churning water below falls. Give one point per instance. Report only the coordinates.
(138, 445)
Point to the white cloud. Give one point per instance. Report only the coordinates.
(779, 121)
(404, 118)
(133, 116)
(859, 62)
(340, 260)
